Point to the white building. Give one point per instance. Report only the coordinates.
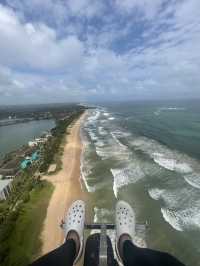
(5, 188)
(41, 140)
(32, 143)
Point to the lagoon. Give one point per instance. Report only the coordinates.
(14, 136)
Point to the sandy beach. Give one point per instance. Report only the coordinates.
(67, 188)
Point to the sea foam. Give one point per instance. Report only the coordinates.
(163, 156)
(85, 166)
(84, 175)
(182, 219)
(125, 176)
(171, 164)
(155, 193)
(117, 140)
(193, 179)
(102, 131)
(106, 114)
(179, 210)
(171, 218)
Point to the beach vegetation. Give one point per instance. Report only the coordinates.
(53, 148)
(20, 231)
(23, 213)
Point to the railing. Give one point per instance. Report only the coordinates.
(99, 226)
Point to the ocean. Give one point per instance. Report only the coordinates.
(148, 154)
(14, 136)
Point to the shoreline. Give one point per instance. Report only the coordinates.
(67, 188)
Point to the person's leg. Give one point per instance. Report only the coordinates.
(132, 255)
(92, 251)
(70, 252)
(125, 226)
(127, 252)
(74, 226)
(62, 256)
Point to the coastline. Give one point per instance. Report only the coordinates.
(67, 188)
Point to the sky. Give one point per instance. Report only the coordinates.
(98, 50)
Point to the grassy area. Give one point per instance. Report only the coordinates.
(23, 213)
(23, 243)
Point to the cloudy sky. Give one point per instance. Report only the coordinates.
(85, 50)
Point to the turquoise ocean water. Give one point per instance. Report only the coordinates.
(147, 153)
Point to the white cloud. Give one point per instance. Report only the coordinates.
(10, 86)
(187, 12)
(38, 63)
(59, 11)
(148, 8)
(48, 11)
(88, 8)
(35, 46)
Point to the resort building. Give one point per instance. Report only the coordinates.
(5, 188)
(32, 143)
(29, 160)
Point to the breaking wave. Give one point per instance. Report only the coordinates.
(117, 140)
(163, 156)
(171, 164)
(123, 177)
(182, 220)
(102, 131)
(193, 179)
(162, 109)
(84, 173)
(111, 150)
(156, 193)
(94, 115)
(175, 204)
(179, 211)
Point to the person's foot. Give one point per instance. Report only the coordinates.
(74, 226)
(125, 226)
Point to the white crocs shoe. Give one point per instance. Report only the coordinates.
(125, 223)
(75, 221)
